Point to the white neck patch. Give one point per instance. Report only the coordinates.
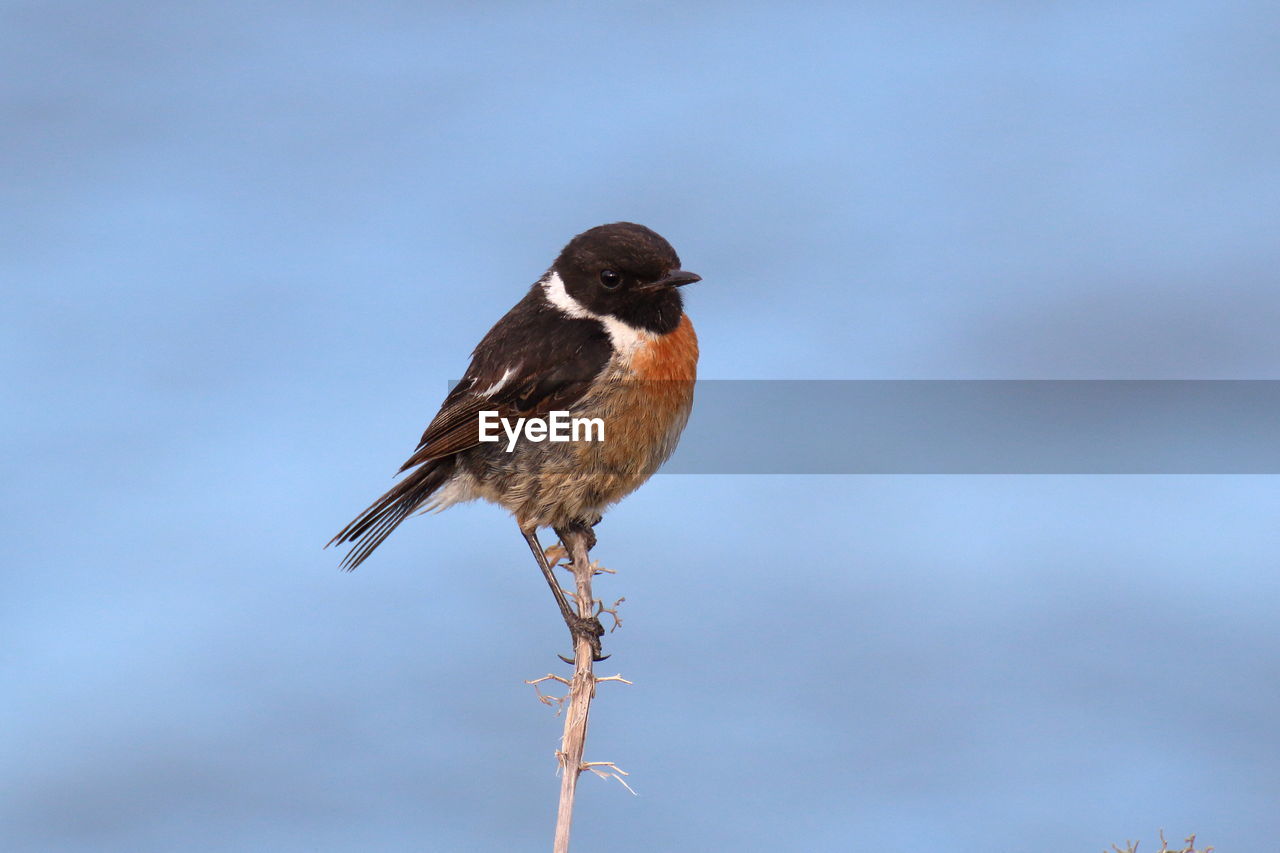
(625, 338)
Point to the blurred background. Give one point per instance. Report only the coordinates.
(245, 246)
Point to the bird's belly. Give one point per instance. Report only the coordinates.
(643, 404)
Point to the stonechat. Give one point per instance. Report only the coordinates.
(601, 336)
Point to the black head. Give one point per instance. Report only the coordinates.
(626, 271)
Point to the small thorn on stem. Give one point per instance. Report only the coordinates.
(612, 611)
(547, 699)
(555, 554)
(617, 677)
(613, 770)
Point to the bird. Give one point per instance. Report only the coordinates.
(602, 334)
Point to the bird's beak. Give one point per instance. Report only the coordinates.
(676, 278)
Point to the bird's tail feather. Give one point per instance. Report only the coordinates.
(385, 514)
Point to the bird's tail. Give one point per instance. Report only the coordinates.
(385, 514)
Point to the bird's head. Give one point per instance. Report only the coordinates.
(626, 271)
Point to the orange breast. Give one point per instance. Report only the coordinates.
(648, 408)
(673, 356)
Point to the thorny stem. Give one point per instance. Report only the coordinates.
(582, 688)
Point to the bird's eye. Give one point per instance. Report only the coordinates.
(610, 279)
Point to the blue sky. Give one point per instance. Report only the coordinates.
(244, 247)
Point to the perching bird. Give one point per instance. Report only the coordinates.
(602, 334)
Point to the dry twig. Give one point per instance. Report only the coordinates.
(576, 705)
(1132, 846)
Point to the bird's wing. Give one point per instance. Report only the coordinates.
(518, 370)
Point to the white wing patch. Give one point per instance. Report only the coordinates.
(495, 387)
(626, 339)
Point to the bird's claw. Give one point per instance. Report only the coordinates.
(589, 629)
(595, 658)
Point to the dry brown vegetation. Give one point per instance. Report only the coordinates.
(1190, 842)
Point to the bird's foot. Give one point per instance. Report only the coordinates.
(578, 528)
(586, 628)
